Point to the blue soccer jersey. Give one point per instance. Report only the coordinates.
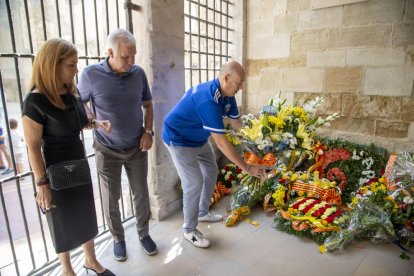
(198, 113)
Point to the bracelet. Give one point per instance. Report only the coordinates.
(42, 181)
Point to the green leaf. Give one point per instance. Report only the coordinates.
(266, 119)
(404, 256)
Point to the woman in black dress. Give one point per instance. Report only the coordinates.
(51, 124)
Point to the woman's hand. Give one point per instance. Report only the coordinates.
(104, 124)
(44, 197)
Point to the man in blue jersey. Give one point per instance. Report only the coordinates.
(187, 128)
(118, 89)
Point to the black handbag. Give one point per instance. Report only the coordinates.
(69, 174)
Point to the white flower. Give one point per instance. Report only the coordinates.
(362, 181)
(408, 200)
(368, 162)
(355, 156)
(368, 174)
(311, 106)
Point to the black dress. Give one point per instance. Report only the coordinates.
(73, 221)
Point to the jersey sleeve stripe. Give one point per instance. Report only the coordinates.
(214, 129)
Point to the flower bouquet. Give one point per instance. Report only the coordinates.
(278, 138)
(371, 217)
(312, 206)
(351, 165)
(230, 175)
(367, 221)
(250, 192)
(400, 171)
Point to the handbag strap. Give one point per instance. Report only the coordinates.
(79, 121)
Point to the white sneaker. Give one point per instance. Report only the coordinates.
(210, 217)
(196, 238)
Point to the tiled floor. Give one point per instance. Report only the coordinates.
(247, 250)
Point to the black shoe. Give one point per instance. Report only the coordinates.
(106, 272)
(149, 245)
(120, 251)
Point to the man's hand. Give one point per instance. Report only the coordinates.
(104, 124)
(146, 141)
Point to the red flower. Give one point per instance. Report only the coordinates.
(373, 180)
(332, 217)
(231, 178)
(334, 155)
(296, 205)
(227, 168)
(307, 208)
(320, 211)
(337, 173)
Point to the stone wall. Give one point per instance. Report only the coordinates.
(359, 56)
(159, 31)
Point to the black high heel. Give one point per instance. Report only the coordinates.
(106, 272)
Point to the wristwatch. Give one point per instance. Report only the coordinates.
(150, 132)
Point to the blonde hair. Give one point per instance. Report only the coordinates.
(45, 69)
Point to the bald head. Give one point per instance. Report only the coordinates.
(231, 78)
(232, 67)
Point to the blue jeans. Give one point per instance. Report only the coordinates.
(197, 168)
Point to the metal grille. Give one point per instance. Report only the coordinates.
(25, 242)
(207, 38)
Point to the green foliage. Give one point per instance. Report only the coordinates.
(284, 225)
(354, 168)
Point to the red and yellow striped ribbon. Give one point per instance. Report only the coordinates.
(329, 195)
(320, 158)
(318, 225)
(238, 214)
(269, 160)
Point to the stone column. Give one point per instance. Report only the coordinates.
(159, 31)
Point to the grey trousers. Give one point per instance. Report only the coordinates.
(197, 168)
(109, 164)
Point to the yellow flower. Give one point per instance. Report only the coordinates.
(355, 200)
(284, 113)
(301, 193)
(322, 249)
(275, 137)
(298, 111)
(316, 175)
(374, 187)
(278, 122)
(294, 177)
(279, 196)
(304, 177)
(233, 140)
(255, 132)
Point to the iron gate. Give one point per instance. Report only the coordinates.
(25, 244)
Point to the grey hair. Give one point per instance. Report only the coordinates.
(120, 36)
